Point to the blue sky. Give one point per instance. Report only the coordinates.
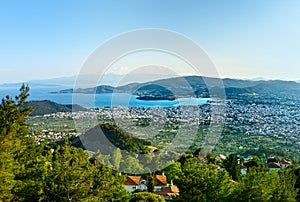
(244, 38)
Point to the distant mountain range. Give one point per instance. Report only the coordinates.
(87, 80)
(195, 86)
(167, 88)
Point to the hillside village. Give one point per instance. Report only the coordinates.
(136, 183)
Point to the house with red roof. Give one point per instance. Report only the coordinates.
(284, 163)
(133, 183)
(274, 166)
(168, 192)
(161, 187)
(160, 181)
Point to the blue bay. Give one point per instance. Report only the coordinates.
(98, 100)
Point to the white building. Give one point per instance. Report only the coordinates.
(133, 183)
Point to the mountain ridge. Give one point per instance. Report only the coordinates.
(196, 86)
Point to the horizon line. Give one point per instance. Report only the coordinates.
(162, 77)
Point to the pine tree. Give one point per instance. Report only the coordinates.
(150, 183)
(200, 182)
(173, 171)
(13, 139)
(116, 158)
(32, 172)
(131, 165)
(260, 185)
(13, 114)
(232, 167)
(7, 168)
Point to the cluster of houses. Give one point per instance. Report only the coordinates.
(167, 191)
(282, 164)
(161, 187)
(272, 165)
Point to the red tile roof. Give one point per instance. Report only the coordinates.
(132, 180)
(201, 159)
(218, 158)
(175, 189)
(160, 180)
(168, 191)
(285, 161)
(273, 165)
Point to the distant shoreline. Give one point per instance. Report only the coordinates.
(154, 98)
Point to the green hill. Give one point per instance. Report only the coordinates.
(106, 136)
(48, 107)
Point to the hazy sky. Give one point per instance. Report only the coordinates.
(244, 38)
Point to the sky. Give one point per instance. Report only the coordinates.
(243, 38)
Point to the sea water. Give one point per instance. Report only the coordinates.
(97, 100)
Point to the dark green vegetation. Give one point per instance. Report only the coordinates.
(197, 86)
(154, 92)
(116, 136)
(32, 172)
(145, 196)
(201, 182)
(49, 107)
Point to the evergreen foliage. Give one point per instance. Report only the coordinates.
(145, 197)
(150, 183)
(200, 182)
(36, 172)
(232, 167)
(123, 140)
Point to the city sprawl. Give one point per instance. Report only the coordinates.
(247, 127)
